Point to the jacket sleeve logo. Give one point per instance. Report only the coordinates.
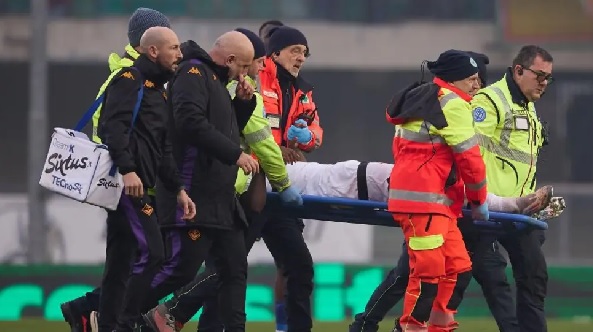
(128, 75)
(194, 70)
(479, 114)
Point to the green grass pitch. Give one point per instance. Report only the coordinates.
(467, 325)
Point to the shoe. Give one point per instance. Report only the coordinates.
(397, 327)
(160, 320)
(553, 210)
(77, 321)
(94, 321)
(535, 202)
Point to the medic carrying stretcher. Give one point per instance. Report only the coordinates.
(356, 192)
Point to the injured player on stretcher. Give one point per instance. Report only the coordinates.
(369, 181)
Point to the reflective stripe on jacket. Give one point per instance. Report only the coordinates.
(511, 136)
(302, 106)
(257, 138)
(436, 152)
(115, 64)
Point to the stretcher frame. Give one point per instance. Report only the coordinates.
(355, 211)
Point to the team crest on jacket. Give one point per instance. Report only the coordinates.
(194, 234)
(479, 114)
(147, 210)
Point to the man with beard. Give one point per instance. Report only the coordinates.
(81, 313)
(140, 148)
(257, 139)
(206, 145)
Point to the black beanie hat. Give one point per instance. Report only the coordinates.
(273, 25)
(142, 20)
(453, 65)
(258, 44)
(283, 37)
(482, 60)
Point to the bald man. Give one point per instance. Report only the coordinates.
(207, 124)
(82, 311)
(141, 155)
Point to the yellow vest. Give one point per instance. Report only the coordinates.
(257, 138)
(511, 136)
(115, 64)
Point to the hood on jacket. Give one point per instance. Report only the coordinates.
(418, 101)
(191, 50)
(116, 62)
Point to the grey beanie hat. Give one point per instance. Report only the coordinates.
(141, 20)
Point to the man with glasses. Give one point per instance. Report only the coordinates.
(393, 287)
(511, 136)
(292, 114)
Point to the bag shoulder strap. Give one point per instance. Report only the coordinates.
(88, 115)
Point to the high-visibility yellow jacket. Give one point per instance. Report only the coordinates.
(257, 138)
(115, 64)
(436, 152)
(511, 136)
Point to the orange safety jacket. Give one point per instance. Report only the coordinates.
(303, 107)
(436, 151)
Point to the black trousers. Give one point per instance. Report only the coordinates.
(203, 290)
(490, 274)
(284, 238)
(185, 251)
(229, 260)
(286, 243)
(488, 269)
(133, 235)
(389, 292)
(531, 277)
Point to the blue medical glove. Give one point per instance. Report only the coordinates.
(480, 212)
(291, 196)
(300, 131)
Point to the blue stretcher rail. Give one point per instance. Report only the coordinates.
(355, 211)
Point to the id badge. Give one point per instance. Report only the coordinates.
(521, 123)
(273, 120)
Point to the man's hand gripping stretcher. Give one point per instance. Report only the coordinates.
(339, 180)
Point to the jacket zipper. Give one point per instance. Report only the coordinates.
(504, 161)
(532, 141)
(428, 223)
(533, 181)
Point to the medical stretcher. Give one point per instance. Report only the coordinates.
(375, 213)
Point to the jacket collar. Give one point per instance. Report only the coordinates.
(452, 88)
(516, 94)
(191, 50)
(251, 81)
(117, 62)
(131, 53)
(152, 71)
(280, 73)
